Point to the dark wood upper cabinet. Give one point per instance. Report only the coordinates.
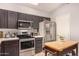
(21, 16)
(27, 17)
(3, 18)
(8, 19)
(36, 20)
(12, 19)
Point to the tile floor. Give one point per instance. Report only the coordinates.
(40, 54)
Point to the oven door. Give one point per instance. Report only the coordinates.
(27, 45)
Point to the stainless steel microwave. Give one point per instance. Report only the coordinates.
(24, 24)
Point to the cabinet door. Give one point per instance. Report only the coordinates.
(3, 18)
(38, 45)
(29, 17)
(12, 19)
(10, 48)
(21, 16)
(35, 24)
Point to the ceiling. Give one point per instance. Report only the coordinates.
(46, 7)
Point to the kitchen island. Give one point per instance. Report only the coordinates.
(60, 48)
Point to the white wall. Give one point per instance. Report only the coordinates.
(19, 8)
(67, 19)
(74, 24)
(62, 18)
(63, 25)
(8, 30)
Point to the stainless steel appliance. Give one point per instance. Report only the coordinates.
(47, 29)
(24, 24)
(27, 47)
(27, 42)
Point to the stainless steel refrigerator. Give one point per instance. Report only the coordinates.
(47, 29)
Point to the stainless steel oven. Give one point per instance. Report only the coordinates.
(27, 46)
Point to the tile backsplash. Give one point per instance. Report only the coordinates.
(4, 30)
(8, 30)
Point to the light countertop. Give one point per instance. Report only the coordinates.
(37, 36)
(7, 39)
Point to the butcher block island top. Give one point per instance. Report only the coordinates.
(61, 45)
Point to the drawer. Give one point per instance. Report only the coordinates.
(10, 42)
(5, 46)
(38, 39)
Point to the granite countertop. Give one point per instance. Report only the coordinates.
(7, 39)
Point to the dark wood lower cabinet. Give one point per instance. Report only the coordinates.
(38, 44)
(10, 48)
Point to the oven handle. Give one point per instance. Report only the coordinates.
(22, 40)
